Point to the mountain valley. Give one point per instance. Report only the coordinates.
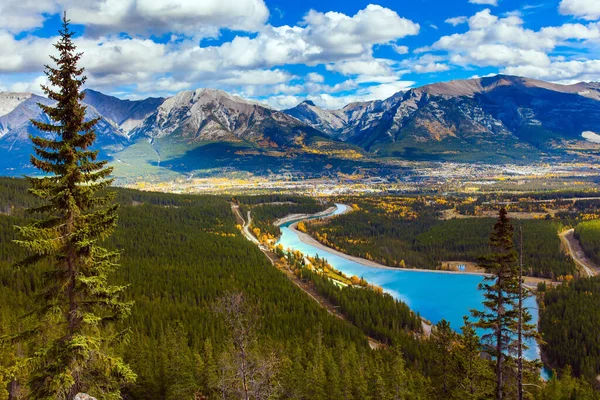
(490, 120)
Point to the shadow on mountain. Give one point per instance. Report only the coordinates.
(236, 157)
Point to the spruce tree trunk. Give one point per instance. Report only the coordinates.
(13, 390)
(499, 345)
(520, 327)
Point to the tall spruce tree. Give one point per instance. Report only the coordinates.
(501, 291)
(72, 340)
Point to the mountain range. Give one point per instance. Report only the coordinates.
(493, 119)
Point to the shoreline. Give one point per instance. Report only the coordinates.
(307, 239)
(530, 281)
(292, 217)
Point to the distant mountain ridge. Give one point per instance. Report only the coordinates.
(491, 119)
(213, 115)
(511, 115)
(127, 114)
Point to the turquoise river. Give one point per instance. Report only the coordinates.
(434, 295)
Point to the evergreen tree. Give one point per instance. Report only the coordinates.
(444, 339)
(500, 317)
(473, 371)
(72, 348)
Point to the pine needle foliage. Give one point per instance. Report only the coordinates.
(72, 340)
(500, 316)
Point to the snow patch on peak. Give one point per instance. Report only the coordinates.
(591, 136)
(11, 100)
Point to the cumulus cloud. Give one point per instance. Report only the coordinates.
(454, 21)
(400, 49)
(25, 55)
(20, 15)
(257, 77)
(334, 102)
(112, 61)
(139, 16)
(33, 86)
(492, 41)
(426, 63)
(586, 9)
(362, 67)
(565, 72)
(338, 33)
(315, 77)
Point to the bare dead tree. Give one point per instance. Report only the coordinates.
(246, 373)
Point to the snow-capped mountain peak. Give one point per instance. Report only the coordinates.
(11, 100)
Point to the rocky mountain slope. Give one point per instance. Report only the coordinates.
(15, 128)
(507, 115)
(493, 119)
(127, 114)
(213, 115)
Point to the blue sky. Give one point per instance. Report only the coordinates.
(281, 52)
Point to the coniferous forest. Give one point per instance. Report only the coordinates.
(588, 234)
(182, 255)
(570, 321)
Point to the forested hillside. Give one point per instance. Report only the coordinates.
(588, 234)
(569, 321)
(181, 253)
(183, 258)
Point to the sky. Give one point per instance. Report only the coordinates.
(281, 52)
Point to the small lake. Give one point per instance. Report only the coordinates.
(434, 295)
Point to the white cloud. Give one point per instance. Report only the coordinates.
(33, 86)
(586, 9)
(565, 72)
(257, 77)
(338, 33)
(386, 90)
(192, 17)
(360, 67)
(315, 77)
(20, 15)
(25, 55)
(334, 102)
(425, 64)
(488, 2)
(454, 21)
(400, 49)
(253, 64)
(572, 31)
(503, 42)
(164, 85)
(282, 102)
(431, 67)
